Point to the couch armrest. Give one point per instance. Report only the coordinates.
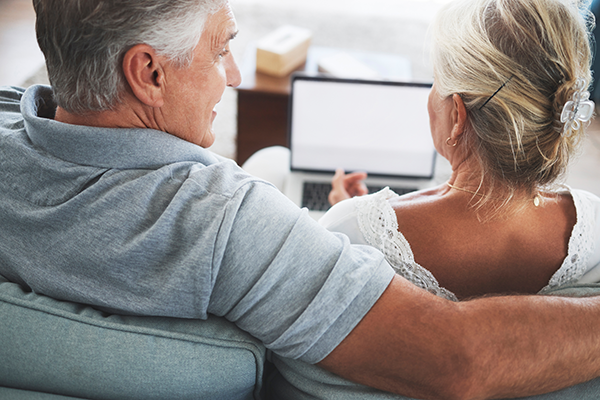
(69, 349)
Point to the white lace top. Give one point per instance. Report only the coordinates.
(371, 220)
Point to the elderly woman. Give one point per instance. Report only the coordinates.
(507, 110)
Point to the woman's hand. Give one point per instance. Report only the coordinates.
(345, 186)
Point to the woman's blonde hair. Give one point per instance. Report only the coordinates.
(515, 64)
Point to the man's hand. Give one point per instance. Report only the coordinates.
(345, 186)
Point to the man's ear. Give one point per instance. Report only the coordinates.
(145, 75)
(459, 116)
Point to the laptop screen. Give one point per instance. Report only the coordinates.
(380, 127)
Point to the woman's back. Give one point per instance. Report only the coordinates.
(435, 240)
(504, 255)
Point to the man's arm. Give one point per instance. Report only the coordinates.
(419, 345)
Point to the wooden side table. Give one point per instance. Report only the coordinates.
(262, 101)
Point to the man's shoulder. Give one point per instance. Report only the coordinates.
(11, 92)
(224, 183)
(10, 98)
(11, 118)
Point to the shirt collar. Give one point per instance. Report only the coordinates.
(119, 148)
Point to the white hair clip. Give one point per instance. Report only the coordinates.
(577, 110)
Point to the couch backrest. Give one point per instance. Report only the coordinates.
(69, 349)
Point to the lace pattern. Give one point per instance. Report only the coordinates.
(579, 248)
(378, 224)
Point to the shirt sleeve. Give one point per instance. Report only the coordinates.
(288, 281)
(592, 274)
(342, 218)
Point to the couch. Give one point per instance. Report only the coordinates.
(51, 350)
(57, 350)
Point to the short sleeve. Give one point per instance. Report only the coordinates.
(342, 217)
(288, 281)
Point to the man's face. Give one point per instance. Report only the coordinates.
(193, 92)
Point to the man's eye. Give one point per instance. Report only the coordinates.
(223, 53)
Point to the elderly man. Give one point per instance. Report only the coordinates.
(109, 197)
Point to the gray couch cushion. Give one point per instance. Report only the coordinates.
(73, 350)
(18, 394)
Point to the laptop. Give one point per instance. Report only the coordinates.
(380, 127)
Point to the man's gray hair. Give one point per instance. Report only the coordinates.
(84, 42)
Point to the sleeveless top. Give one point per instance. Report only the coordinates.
(377, 222)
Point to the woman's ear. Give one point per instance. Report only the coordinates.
(144, 74)
(459, 117)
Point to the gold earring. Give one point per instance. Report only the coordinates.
(448, 142)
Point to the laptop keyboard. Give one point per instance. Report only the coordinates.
(314, 194)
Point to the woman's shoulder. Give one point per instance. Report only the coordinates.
(345, 216)
(365, 219)
(583, 195)
(587, 204)
(584, 242)
(347, 209)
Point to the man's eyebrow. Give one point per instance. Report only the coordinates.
(219, 43)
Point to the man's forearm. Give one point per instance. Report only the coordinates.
(416, 344)
(532, 344)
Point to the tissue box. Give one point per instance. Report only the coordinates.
(283, 50)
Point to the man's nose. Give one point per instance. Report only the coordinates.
(234, 77)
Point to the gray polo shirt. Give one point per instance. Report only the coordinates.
(138, 221)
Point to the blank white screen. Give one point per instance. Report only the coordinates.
(378, 128)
